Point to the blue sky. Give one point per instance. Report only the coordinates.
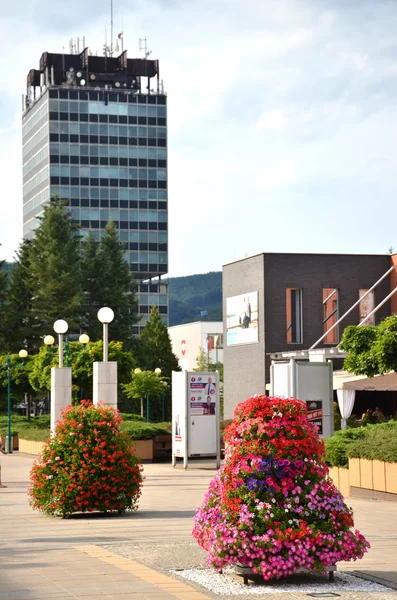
(282, 118)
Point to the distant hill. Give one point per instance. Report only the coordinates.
(189, 295)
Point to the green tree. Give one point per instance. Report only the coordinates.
(81, 361)
(19, 375)
(55, 269)
(204, 363)
(156, 347)
(372, 350)
(109, 282)
(20, 322)
(144, 383)
(91, 285)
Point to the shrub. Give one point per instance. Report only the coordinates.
(132, 417)
(142, 431)
(337, 446)
(271, 507)
(378, 443)
(88, 465)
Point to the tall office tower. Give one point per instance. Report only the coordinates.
(95, 135)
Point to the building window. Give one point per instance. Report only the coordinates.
(330, 314)
(294, 316)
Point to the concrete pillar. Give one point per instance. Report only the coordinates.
(105, 383)
(61, 392)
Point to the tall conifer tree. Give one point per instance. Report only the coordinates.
(156, 346)
(55, 269)
(20, 322)
(108, 281)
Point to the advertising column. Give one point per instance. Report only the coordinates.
(203, 418)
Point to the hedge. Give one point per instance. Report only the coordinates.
(337, 446)
(378, 443)
(38, 428)
(374, 442)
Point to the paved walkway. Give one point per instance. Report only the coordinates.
(49, 558)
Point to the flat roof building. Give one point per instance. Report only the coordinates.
(95, 135)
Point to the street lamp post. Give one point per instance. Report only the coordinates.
(83, 339)
(60, 327)
(105, 316)
(165, 385)
(22, 354)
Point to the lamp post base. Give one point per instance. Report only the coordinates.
(61, 393)
(105, 383)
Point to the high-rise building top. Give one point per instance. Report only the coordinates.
(95, 134)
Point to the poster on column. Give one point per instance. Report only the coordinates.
(203, 413)
(178, 414)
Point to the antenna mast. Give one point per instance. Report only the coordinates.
(111, 27)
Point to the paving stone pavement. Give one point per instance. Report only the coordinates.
(99, 557)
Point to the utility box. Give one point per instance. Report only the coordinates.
(195, 416)
(310, 382)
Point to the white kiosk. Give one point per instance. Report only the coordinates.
(310, 382)
(195, 416)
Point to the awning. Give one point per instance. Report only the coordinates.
(342, 380)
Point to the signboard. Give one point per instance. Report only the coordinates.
(242, 319)
(366, 306)
(195, 415)
(315, 414)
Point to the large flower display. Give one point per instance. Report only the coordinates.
(88, 465)
(272, 507)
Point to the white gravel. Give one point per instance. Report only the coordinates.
(225, 585)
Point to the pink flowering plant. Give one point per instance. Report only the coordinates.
(88, 465)
(272, 506)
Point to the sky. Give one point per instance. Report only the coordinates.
(282, 118)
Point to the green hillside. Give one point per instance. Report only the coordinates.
(189, 295)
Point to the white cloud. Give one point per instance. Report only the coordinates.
(279, 112)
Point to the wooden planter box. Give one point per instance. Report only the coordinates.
(14, 442)
(391, 477)
(162, 446)
(366, 476)
(379, 475)
(30, 446)
(373, 476)
(341, 479)
(144, 449)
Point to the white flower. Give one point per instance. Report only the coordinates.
(71, 433)
(273, 500)
(288, 505)
(290, 522)
(49, 476)
(57, 458)
(286, 510)
(280, 414)
(272, 515)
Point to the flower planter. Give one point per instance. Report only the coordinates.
(366, 477)
(379, 475)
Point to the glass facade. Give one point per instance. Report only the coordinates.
(105, 153)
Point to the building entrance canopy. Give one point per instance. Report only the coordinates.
(342, 380)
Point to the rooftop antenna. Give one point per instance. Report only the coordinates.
(143, 47)
(111, 27)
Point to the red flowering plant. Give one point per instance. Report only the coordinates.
(88, 465)
(272, 507)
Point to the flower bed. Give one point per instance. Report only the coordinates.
(272, 506)
(88, 465)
